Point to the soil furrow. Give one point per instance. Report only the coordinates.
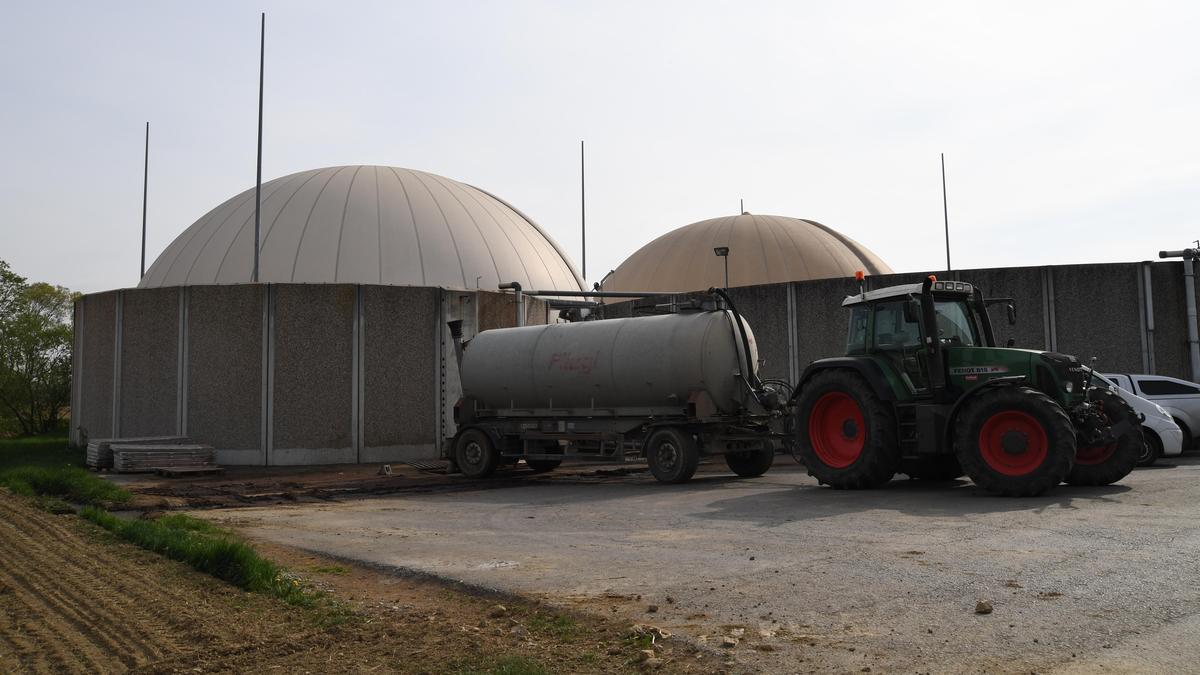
(81, 600)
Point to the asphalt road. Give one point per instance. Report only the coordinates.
(812, 579)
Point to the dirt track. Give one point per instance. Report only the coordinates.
(74, 601)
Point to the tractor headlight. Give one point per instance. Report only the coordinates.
(1069, 387)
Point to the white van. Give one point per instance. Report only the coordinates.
(1179, 397)
(1163, 436)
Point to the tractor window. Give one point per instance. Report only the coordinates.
(955, 323)
(892, 331)
(856, 343)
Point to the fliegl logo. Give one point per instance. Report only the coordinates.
(973, 372)
(570, 362)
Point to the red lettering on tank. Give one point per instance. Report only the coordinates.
(569, 362)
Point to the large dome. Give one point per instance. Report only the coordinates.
(762, 250)
(367, 225)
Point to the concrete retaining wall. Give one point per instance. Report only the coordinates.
(303, 374)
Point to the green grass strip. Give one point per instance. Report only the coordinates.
(44, 466)
(208, 549)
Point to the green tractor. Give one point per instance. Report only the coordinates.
(924, 390)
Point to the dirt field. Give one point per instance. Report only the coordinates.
(74, 600)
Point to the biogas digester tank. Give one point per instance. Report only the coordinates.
(648, 363)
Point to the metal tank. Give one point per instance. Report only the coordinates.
(648, 363)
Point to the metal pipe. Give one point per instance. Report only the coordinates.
(604, 294)
(456, 334)
(145, 193)
(1189, 294)
(262, 56)
(1148, 292)
(520, 300)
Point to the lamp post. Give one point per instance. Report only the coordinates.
(723, 252)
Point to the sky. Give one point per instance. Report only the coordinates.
(1070, 129)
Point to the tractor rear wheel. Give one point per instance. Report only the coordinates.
(750, 463)
(672, 454)
(1014, 441)
(1106, 464)
(475, 454)
(937, 468)
(846, 433)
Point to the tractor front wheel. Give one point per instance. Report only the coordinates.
(846, 433)
(1014, 441)
(1106, 464)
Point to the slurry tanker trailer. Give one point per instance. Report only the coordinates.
(922, 390)
(669, 388)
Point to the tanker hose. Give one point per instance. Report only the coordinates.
(757, 386)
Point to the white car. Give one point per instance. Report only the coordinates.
(1163, 436)
(1180, 398)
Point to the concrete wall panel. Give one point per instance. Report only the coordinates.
(313, 378)
(399, 370)
(1096, 314)
(98, 340)
(765, 308)
(224, 381)
(149, 362)
(1170, 320)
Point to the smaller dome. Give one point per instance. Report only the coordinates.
(762, 250)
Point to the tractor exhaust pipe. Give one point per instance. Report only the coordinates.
(1189, 256)
(456, 334)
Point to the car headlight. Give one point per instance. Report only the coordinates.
(1161, 410)
(1069, 387)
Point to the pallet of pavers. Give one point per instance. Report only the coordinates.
(99, 451)
(151, 457)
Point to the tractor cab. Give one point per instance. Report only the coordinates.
(914, 328)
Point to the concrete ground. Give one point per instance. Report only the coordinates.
(811, 579)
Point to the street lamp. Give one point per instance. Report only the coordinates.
(723, 252)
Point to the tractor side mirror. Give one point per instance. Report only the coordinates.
(912, 311)
(1012, 314)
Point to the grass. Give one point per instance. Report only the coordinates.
(559, 626)
(44, 467)
(208, 549)
(336, 570)
(510, 665)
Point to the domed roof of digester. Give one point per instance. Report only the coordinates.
(367, 225)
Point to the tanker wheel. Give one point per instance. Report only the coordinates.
(936, 468)
(1152, 450)
(846, 433)
(672, 454)
(750, 463)
(475, 454)
(1106, 464)
(544, 448)
(1014, 441)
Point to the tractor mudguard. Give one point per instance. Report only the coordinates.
(865, 367)
(1012, 380)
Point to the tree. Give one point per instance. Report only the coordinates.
(35, 351)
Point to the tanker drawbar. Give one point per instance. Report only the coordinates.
(668, 388)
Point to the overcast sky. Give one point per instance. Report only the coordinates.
(1070, 129)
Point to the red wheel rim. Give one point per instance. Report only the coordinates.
(1095, 455)
(836, 430)
(1013, 443)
